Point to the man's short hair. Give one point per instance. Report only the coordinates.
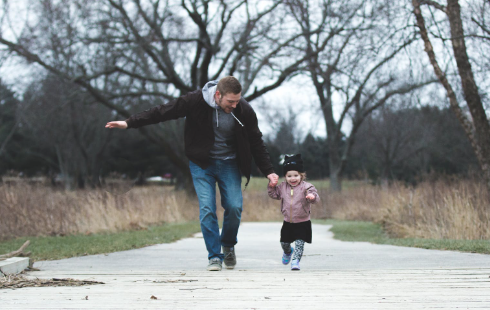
(228, 85)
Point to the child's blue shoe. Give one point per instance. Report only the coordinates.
(286, 258)
(295, 264)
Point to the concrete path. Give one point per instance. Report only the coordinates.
(334, 275)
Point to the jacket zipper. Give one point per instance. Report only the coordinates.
(291, 207)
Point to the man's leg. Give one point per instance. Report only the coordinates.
(205, 186)
(229, 183)
(230, 187)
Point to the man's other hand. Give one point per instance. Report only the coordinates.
(117, 124)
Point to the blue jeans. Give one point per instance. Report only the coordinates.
(228, 177)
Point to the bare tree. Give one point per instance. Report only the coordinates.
(352, 50)
(395, 136)
(8, 121)
(125, 51)
(409, 142)
(476, 124)
(64, 118)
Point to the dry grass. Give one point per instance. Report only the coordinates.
(444, 209)
(38, 210)
(257, 207)
(33, 210)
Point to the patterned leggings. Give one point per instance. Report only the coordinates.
(298, 250)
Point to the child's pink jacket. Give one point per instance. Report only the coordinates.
(294, 205)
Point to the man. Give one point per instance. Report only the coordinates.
(221, 136)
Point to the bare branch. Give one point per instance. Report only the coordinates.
(139, 94)
(398, 91)
(485, 29)
(282, 77)
(435, 4)
(15, 253)
(141, 77)
(167, 67)
(357, 97)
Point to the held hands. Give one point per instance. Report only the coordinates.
(117, 124)
(310, 197)
(273, 179)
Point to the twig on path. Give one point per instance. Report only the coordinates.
(19, 281)
(19, 252)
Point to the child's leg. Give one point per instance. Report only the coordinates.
(298, 251)
(288, 252)
(286, 247)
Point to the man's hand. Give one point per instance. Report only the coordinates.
(273, 179)
(117, 124)
(310, 197)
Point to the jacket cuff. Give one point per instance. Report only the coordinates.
(269, 171)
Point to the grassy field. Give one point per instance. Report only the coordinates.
(447, 214)
(56, 247)
(374, 233)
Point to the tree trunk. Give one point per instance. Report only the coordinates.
(478, 130)
(335, 164)
(335, 179)
(470, 89)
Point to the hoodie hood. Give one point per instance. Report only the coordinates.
(208, 92)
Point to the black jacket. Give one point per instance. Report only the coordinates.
(199, 134)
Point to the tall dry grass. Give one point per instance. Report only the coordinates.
(31, 210)
(441, 209)
(36, 209)
(451, 209)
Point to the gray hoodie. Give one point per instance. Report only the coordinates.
(223, 125)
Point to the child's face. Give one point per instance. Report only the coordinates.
(293, 177)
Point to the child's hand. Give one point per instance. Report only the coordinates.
(273, 179)
(310, 197)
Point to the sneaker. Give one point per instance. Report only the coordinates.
(286, 258)
(295, 264)
(230, 257)
(214, 264)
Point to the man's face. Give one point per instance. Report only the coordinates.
(227, 102)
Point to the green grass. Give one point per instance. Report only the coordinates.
(50, 248)
(370, 232)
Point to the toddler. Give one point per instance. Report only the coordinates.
(296, 197)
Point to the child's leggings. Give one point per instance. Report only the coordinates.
(298, 250)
